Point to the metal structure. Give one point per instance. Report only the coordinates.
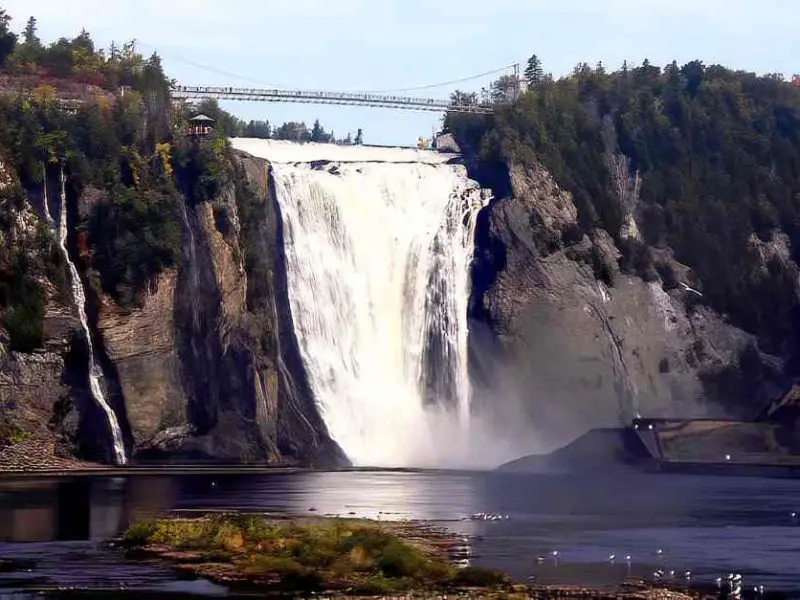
(188, 92)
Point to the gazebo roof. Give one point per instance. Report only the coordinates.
(202, 118)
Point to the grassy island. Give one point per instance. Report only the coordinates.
(339, 558)
(305, 555)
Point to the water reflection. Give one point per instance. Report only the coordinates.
(79, 509)
(709, 526)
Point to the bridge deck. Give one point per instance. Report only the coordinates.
(188, 92)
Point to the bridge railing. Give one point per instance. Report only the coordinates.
(319, 97)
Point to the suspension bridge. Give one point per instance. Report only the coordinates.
(188, 92)
(461, 103)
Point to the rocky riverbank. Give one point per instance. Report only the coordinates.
(40, 455)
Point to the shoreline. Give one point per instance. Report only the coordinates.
(199, 469)
(442, 569)
(165, 541)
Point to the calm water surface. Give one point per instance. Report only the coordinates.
(53, 533)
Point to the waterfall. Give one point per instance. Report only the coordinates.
(378, 245)
(47, 215)
(79, 296)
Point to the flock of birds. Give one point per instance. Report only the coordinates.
(481, 516)
(732, 584)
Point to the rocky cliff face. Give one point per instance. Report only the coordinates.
(557, 350)
(207, 367)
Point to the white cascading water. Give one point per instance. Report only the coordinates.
(79, 296)
(378, 249)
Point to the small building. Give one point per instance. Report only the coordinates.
(201, 125)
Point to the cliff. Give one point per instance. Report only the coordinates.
(204, 366)
(562, 341)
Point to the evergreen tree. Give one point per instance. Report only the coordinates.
(8, 39)
(534, 72)
(359, 138)
(317, 132)
(29, 36)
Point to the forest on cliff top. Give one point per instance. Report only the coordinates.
(711, 160)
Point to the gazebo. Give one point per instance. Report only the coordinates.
(200, 125)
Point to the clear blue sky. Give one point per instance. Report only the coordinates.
(387, 44)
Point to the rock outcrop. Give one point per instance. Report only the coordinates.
(203, 364)
(557, 351)
(205, 367)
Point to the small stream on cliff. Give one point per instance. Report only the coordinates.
(54, 533)
(79, 298)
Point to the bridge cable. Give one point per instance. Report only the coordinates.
(284, 87)
(197, 65)
(435, 85)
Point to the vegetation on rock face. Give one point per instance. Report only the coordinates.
(303, 555)
(106, 138)
(714, 155)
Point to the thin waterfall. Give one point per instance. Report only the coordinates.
(79, 297)
(48, 216)
(378, 245)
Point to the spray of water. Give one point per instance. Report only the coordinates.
(378, 247)
(79, 297)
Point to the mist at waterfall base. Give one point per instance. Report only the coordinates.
(378, 245)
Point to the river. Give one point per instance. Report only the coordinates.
(54, 533)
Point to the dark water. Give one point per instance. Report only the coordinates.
(54, 532)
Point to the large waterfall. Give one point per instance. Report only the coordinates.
(378, 246)
(79, 297)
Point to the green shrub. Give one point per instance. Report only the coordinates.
(140, 533)
(479, 577)
(401, 560)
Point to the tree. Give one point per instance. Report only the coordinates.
(293, 132)
(359, 137)
(460, 98)
(534, 72)
(317, 132)
(258, 129)
(30, 37)
(8, 39)
(503, 89)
